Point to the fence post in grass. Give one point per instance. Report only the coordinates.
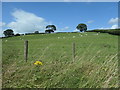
(26, 50)
(73, 51)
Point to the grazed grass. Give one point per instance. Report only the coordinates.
(95, 65)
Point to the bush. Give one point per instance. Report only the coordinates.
(36, 32)
(17, 34)
(115, 32)
(110, 31)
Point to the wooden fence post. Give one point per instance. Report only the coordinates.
(26, 50)
(73, 51)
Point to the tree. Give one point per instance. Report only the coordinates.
(50, 28)
(17, 34)
(8, 33)
(36, 32)
(82, 27)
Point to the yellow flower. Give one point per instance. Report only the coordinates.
(38, 63)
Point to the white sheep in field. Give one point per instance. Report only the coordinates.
(63, 37)
(96, 34)
(73, 36)
(80, 35)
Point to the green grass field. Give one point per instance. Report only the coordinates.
(95, 64)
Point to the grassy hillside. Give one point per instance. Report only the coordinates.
(95, 65)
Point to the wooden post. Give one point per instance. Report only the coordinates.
(26, 50)
(73, 51)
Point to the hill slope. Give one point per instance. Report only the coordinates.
(95, 64)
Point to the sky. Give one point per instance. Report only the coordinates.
(29, 17)
(60, 0)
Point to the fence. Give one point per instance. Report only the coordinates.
(26, 50)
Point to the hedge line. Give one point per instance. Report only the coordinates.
(111, 31)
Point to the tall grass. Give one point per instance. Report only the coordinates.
(95, 65)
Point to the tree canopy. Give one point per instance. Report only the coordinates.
(82, 27)
(50, 28)
(53, 27)
(8, 33)
(36, 32)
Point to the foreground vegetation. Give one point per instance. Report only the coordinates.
(95, 64)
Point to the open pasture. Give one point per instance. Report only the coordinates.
(95, 64)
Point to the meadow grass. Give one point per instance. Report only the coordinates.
(95, 64)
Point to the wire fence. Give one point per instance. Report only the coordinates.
(52, 50)
(29, 49)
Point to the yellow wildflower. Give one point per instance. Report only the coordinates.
(38, 63)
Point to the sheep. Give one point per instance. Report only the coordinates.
(63, 37)
(73, 36)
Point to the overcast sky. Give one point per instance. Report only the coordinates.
(34, 16)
